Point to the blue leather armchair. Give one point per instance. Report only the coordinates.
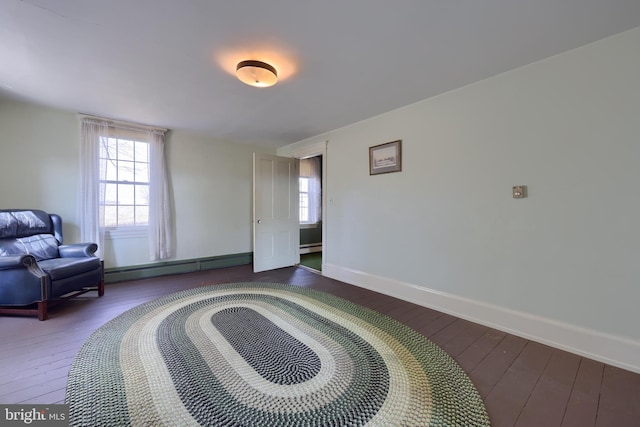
(36, 269)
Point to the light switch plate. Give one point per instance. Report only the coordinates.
(519, 191)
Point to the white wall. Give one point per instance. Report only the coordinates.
(39, 161)
(561, 266)
(212, 189)
(211, 183)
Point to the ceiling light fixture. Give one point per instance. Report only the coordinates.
(256, 73)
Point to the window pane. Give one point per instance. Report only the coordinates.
(126, 216)
(112, 170)
(112, 148)
(126, 171)
(142, 172)
(304, 207)
(142, 151)
(142, 215)
(126, 194)
(111, 194)
(125, 149)
(110, 216)
(142, 195)
(304, 185)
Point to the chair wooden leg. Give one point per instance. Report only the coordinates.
(42, 310)
(101, 284)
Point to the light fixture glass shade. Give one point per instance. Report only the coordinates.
(256, 73)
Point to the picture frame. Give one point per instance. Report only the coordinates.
(385, 158)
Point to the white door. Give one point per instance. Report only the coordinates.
(276, 220)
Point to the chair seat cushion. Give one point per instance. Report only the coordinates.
(61, 268)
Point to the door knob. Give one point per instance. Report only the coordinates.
(259, 221)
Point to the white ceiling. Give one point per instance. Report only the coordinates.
(170, 63)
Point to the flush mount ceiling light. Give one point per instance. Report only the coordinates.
(256, 73)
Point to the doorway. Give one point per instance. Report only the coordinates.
(310, 205)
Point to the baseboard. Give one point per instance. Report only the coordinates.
(136, 272)
(606, 348)
(308, 249)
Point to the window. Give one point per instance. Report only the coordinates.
(124, 190)
(303, 187)
(309, 186)
(124, 172)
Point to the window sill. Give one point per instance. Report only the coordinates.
(126, 233)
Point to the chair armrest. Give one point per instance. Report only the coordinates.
(16, 261)
(77, 250)
(22, 281)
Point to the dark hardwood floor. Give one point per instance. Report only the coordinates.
(523, 383)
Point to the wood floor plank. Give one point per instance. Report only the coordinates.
(56, 397)
(619, 399)
(465, 339)
(421, 317)
(47, 382)
(430, 328)
(476, 352)
(489, 371)
(401, 312)
(549, 398)
(528, 387)
(509, 396)
(583, 403)
(450, 332)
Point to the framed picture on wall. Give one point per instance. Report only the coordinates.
(385, 158)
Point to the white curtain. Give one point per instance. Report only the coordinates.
(310, 168)
(91, 191)
(94, 133)
(159, 210)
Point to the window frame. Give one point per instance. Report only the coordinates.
(307, 223)
(125, 231)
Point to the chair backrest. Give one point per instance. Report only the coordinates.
(30, 231)
(24, 222)
(27, 222)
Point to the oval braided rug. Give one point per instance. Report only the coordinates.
(261, 354)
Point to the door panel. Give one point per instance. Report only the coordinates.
(276, 230)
